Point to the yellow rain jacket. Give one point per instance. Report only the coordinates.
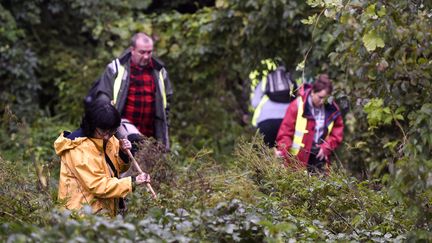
(85, 176)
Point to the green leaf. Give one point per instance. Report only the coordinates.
(360, 144)
(399, 117)
(372, 40)
(391, 145)
(300, 66)
(370, 10)
(222, 4)
(310, 20)
(422, 61)
(357, 220)
(315, 3)
(382, 11)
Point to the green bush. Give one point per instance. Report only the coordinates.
(256, 199)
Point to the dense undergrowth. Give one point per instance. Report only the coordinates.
(251, 197)
(377, 52)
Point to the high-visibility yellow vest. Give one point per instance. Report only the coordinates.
(118, 80)
(300, 129)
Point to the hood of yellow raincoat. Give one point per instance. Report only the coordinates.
(63, 143)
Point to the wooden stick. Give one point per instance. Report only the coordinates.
(141, 172)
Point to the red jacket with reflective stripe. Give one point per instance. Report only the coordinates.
(286, 131)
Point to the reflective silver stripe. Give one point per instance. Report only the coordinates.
(257, 112)
(295, 146)
(162, 88)
(298, 133)
(118, 80)
(113, 66)
(264, 84)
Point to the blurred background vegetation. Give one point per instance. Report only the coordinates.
(220, 181)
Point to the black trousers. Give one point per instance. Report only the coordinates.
(269, 128)
(315, 165)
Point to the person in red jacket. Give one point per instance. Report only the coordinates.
(312, 128)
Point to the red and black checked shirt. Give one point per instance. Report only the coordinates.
(140, 102)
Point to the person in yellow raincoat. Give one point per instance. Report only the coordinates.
(91, 161)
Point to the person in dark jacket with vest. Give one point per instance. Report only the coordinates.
(137, 84)
(311, 128)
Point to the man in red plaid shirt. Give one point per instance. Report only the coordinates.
(138, 85)
(139, 108)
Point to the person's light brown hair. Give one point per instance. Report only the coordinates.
(322, 82)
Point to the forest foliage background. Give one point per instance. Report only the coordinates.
(377, 52)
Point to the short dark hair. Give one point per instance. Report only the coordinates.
(322, 82)
(140, 35)
(99, 114)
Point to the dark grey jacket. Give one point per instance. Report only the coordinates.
(103, 89)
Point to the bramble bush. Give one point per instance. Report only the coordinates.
(256, 199)
(379, 52)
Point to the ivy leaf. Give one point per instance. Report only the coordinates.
(370, 11)
(372, 40)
